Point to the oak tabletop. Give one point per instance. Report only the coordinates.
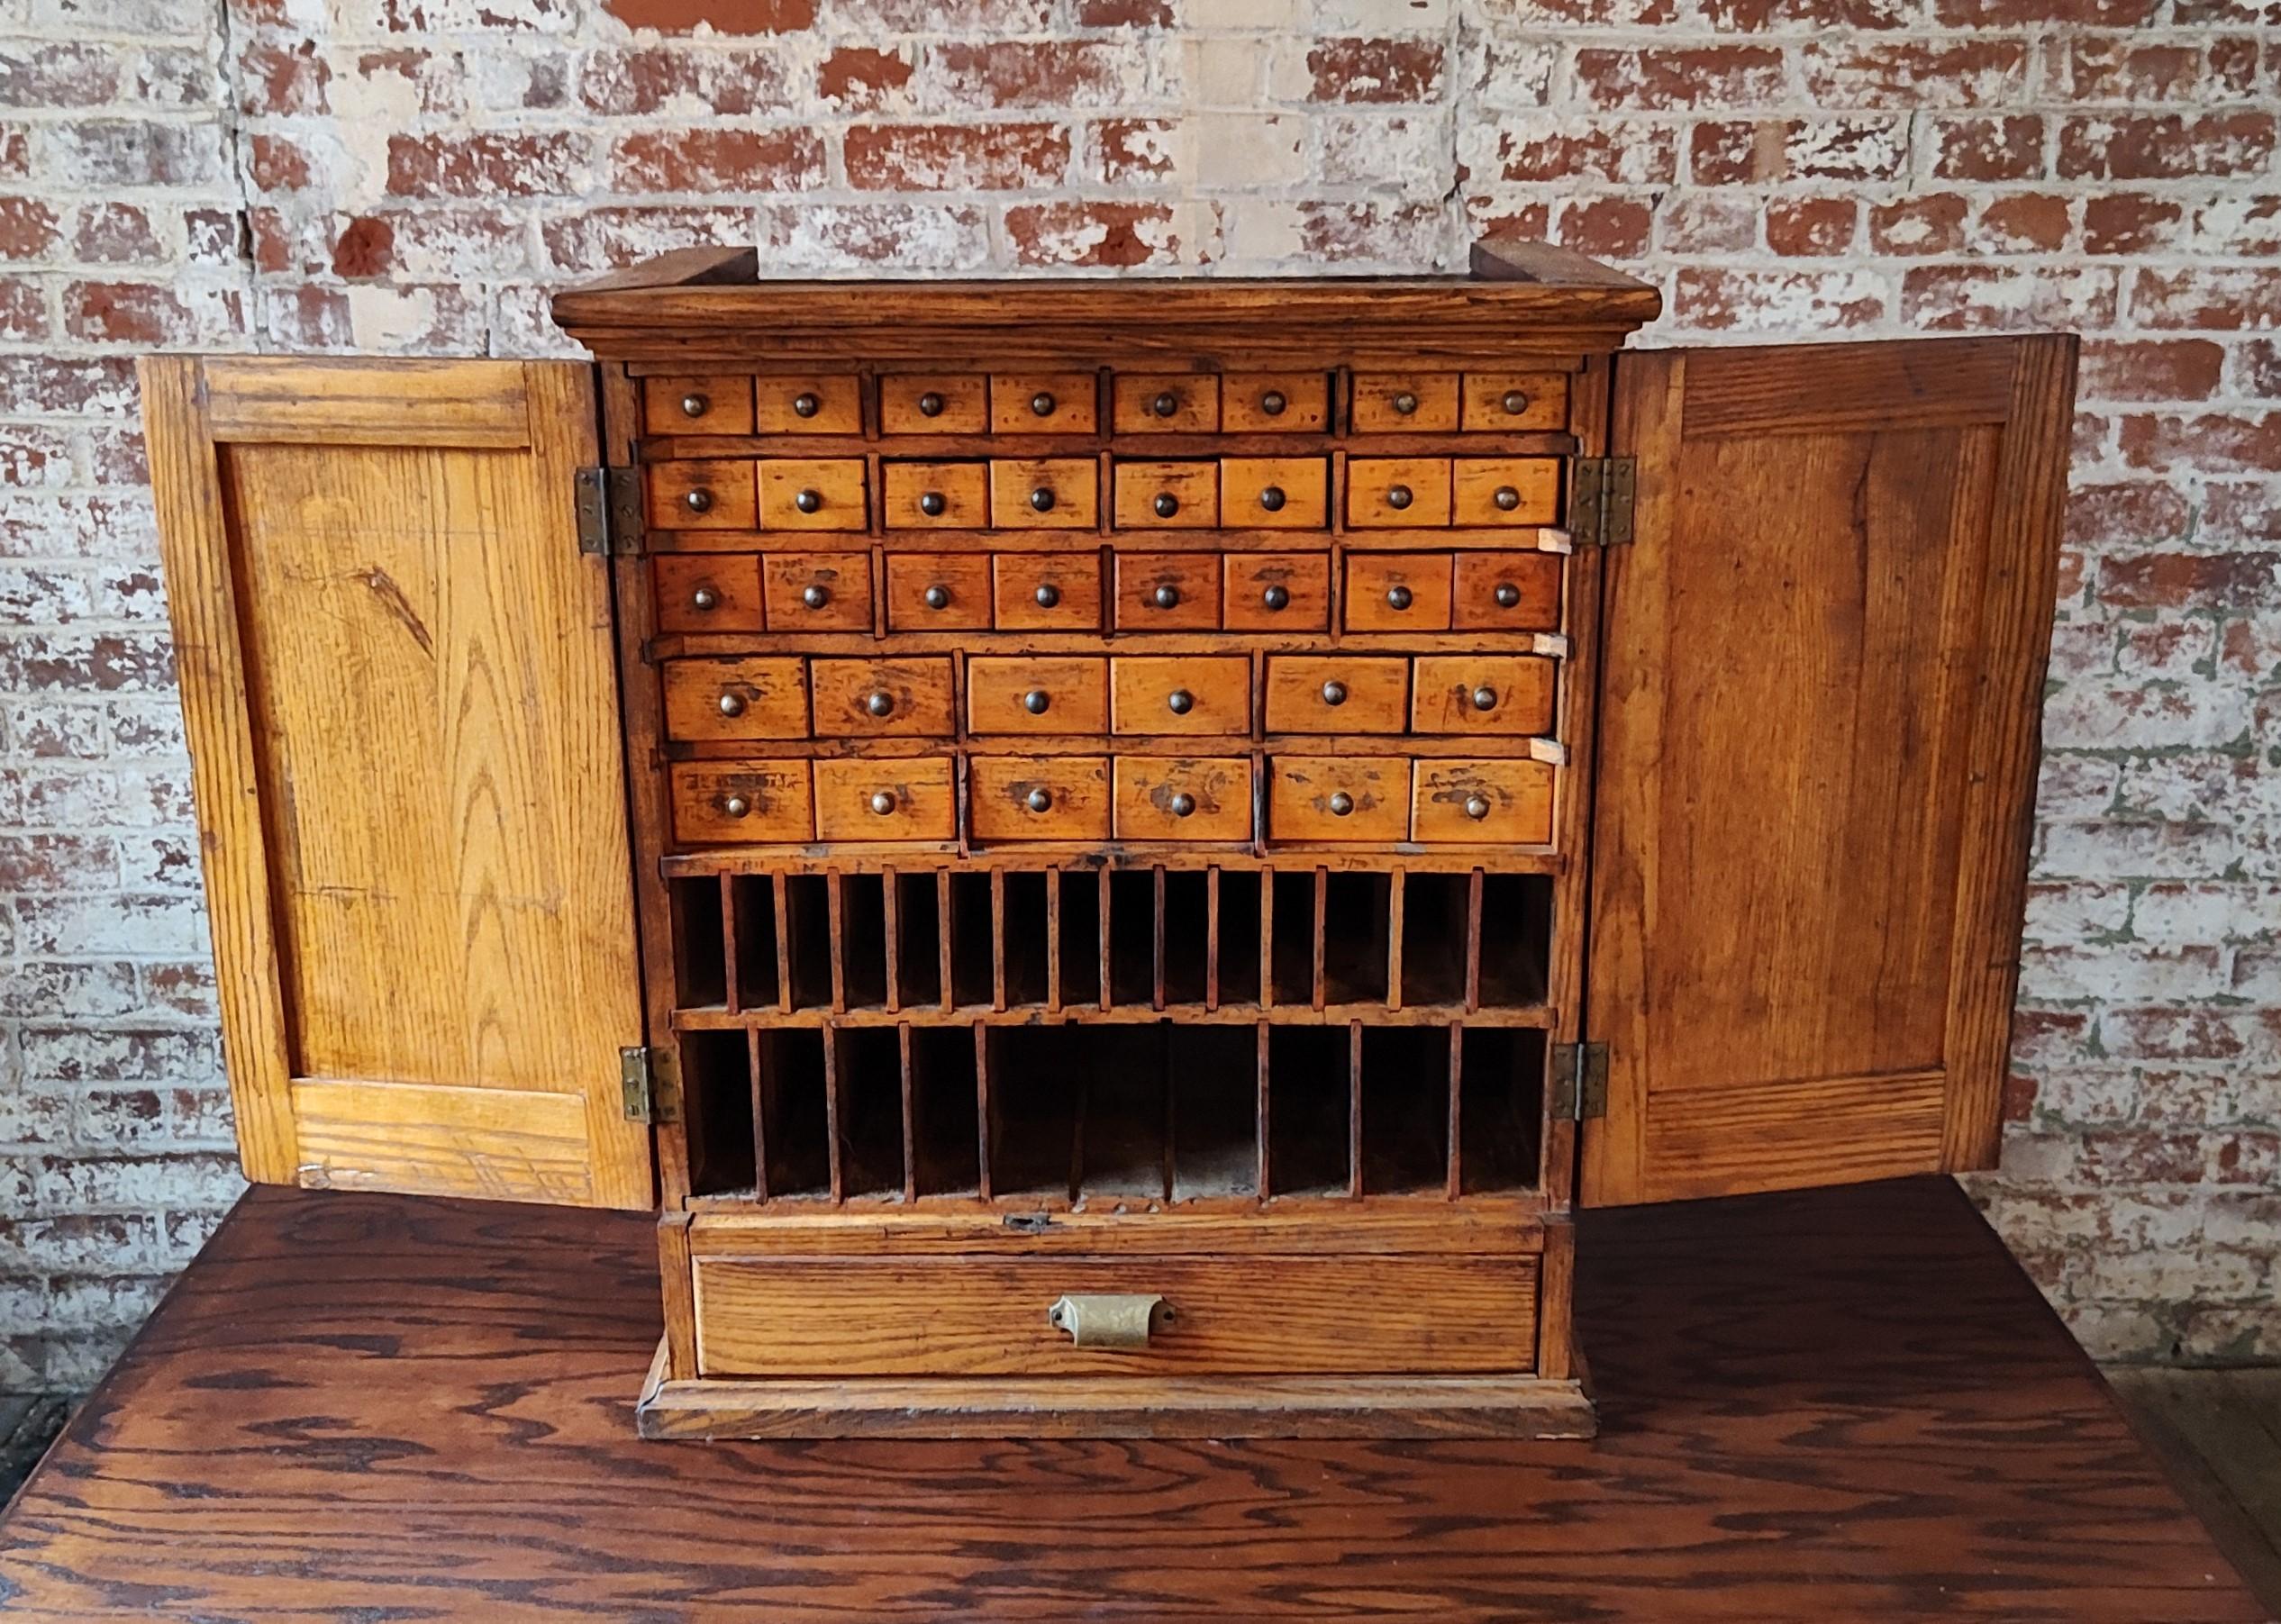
(1840, 1404)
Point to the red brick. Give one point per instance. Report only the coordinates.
(1709, 76)
(1398, 232)
(2100, 514)
(909, 235)
(2190, 580)
(282, 80)
(1988, 148)
(722, 16)
(872, 17)
(1707, 223)
(1909, 75)
(1953, 298)
(2131, 222)
(1534, 148)
(272, 236)
(278, 165)
(484, 166)
(859, 77)
(59, 75)
(2114, 68)
(147, 314)
(2257, 368)
(2149, 369)
(2211, 442)
(1610, 228)
(1778, 301)
(1931, 224)
(1801, 227)
(605, 239)
(2238, 227)
(1134, 149)
(731, 81)
(2217, 297)
(1756, 152)
(1124, 13)
(440, 79)
(2024, 222)
(366, 248)
(116, 233)
(1377, 71)
(1752, 16)
(29, 229)
(2018, 14)
(1499, 221)
(1035, 73)
(2166, 146)
(931, 157)
(718, 160)
(1094, 234)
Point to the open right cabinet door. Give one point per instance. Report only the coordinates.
(1821, 685)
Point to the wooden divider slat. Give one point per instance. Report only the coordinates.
(1266, 1184)
(1456, 1079)
(998, 938)
(831, 1111)
(945, 929)
(1322, 906)
(1354, 1108)
(780, 894)
(753, 1049)
(835, 905)
(1212, 938)
(983, 1148)
(907, 1056)
(1156, 937)
(1473, 943)
(1053, 939)
(729, 999)
(1107, 989)
(1396, 893)
(891, 907)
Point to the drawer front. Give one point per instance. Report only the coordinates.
(988, 1316)
(1042, 402)
(708, 403)
(706, 591)
(1390, 493)
(895, 798)
(1047, 591)
(1398, 591)
(1183, 798)
(1168, 592)
(1339, 798)
(1274, 402)
(755, 697)
(1167, 496)
(817, 592)
(938, 592)
(1168, 403)
(1037, 694)
(1038, 798)
(934, 403)
(1404, 403)
(1277, 592)
(1514, 402)
(804, 492)
(1482, 694)
(1275, 493)
(1505, 490)
(1499, 801)
(1338, 694)
(719, 802)
(1044, 493)
(1184, 693)
(935, 495)
(882, 698)
(1506, 591)
(703, 493)
(807, 404)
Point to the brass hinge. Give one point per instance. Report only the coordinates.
(1579, 1081)
(1601, 499)
(651, 1078)
(609, 504)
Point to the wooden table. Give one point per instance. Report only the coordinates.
(1829, 1406)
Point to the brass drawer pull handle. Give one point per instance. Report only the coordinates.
(1036, 701)
(699, 501)
(1122, 1320)
(1041, 404)
(1514, 402)
(1041, 499)
(933, 504)
(1476, 807)
(1272, 403)
(1398, 597)
(705, 597)
(1341, 804)
(1334, 693)
(1405, 403)
(1277, 597)
(815, 597)
(694, 404)
(1165, 404)
(931, 404)
(1039, 800)
(1182, 804)
(1506, 498)
(736, 806)
(732, 704)
(1398, 496)
(882, 801)
(1165, 597)
(805, 405)
(1048, 595)
(1507, 594)
(1271, 498)
(880, 703)
(937, 596)
(1485, 698)
(1166, 504)
(1180, 701)
(809, 501)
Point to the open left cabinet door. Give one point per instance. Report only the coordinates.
(398, 682)
(1822, 671)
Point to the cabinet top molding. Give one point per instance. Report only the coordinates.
(1521, 299)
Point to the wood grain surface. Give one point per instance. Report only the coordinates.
(1829, 1405)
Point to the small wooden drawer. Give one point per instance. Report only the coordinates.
(807, 404)
(1338, 694)
(1315, 798)
(801, 492)
(1499, 801)
(1506, 591)
(1392, 493)
(1167, 496)
(1406, 402)
(1042, 402)
(1277, 592)
(1037, 694)
(754, 697)
(706, 591)
(1038, 798)
(1055, 493)
(1506, 490)
(1398, 591)
(935, 495)
(938, 592)
(1275, 493)
(818, 592)
(1168, 592)
(1184, 798)
(882, 698)
(703, 495)
(721, 803)
(1047, 591)
(1482, 694)
(1167, 402)
(1274, 402)
(1514, 402)
(887, 798)
(708, 403)
(1180, 694)
(934, 403)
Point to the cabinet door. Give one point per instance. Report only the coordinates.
(398, 677)
(1821, 682)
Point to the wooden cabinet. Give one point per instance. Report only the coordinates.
(1104, 911)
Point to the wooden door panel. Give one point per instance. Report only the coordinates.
(1821, 685)
(398, 682)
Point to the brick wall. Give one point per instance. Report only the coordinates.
(412, 175)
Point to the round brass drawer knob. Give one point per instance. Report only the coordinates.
(1272, 403)
(1166, 504)
(1405, 403)
(1165, 404)
(933, 504)
(1182, 804)
(1398, 496)
(1180, 701)
(1485, 698)
(732, 704)
(1506, 498)
(1039, 800)
(1277, 597)
(880, 703)
(1036, 701)
(1514, 402)
(815, 597)
(931, 404)
(1271, 498)
(937, 598)
(1476, 807)
(1165, 597)
(1041, 404)
(882, 801)
(699, 501)
(1398, 597)
(705, 597)
(1507, 594)
(694, 404)
(1047, 594)
(1334, 694)
(805, 405)
(1341, 803)
(809, 501)
(736, 806)
(1041, 499)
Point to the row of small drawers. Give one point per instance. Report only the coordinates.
(1009, 798)
(786, 697)
(1069, 403)
(1155, 591)
(1062, 493)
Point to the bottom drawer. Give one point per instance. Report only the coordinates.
(885, 798)
(989, 1316)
